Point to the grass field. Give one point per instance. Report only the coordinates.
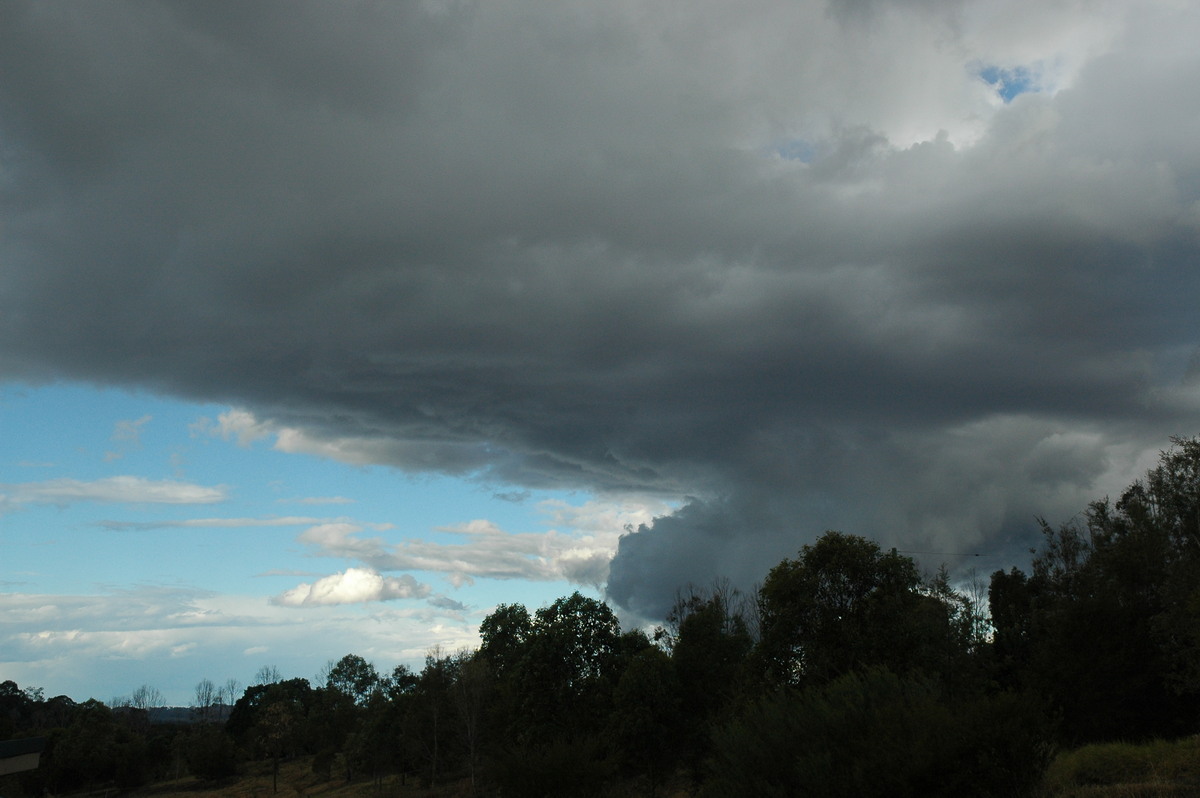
(296, 780)
(1158, 769)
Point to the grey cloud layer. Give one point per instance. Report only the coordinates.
(558, 246)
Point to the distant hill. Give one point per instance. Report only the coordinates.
(219, 714)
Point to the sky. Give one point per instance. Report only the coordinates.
(327, 327)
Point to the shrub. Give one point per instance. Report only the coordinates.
(873, 733)
(1159, 763)
(565, 767)
(210, 753)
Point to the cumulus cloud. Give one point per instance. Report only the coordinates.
(352, 586)
(920, 271)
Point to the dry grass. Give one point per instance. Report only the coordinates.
(1131, 791)
(296, 780)
(1158, 769)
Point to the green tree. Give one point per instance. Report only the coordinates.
(279, 733)
(1082, 631)
(247, 710)
(16, 708)
(569, 667)
(209, 752)
(433, 714)
(1010, 600)
(844, 605)
(1107, 626)
(95, 750)
(373, 746)
(644, 724)
(354, 677)
(710, 643)
(397, 724)
(504, 636)
(472, 690)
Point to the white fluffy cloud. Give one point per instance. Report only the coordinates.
(352, 586)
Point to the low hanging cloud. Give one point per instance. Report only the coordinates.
(896, 268)
(352, 586)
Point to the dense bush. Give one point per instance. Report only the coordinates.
(209, 753)
(571, 766)
(873, 733)
(1157, 764)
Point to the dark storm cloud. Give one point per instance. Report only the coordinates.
(558, 246)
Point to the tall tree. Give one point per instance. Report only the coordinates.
(147, 697)
(353, 676)
(229, 691)
(472, 689)
(433, 708)
(644, 725)
(504, 635)
(710, 649)
(267, 674)
(1106, 626)
(205, 700)
(845, 604)
(569, 667)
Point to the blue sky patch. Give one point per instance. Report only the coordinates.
(797, 150)
(1009, 83)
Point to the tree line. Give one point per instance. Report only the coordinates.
(847, 672)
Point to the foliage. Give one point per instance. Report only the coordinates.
(569, 666)
(846, 604)
(248, 711)
(709, 644)
(873, 733)
(433, 720)
(568, 766)
(503, 637)
(644, 725)
(1107, 626)
(354, 677)
(209, 752)
(1165, 764)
